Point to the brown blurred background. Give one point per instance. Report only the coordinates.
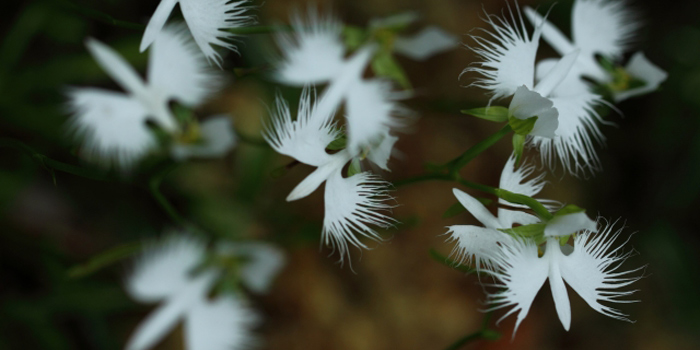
(397, 297)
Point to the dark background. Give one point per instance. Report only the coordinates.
(397, 297)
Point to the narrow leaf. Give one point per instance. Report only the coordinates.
(522, 127)
(104, 259)
(495, 113)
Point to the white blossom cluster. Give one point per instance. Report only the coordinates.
(347, 123)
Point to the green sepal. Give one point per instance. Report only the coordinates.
(518, 147)
(563, 240)
(520, 126)
(495, 113)
(354, 37)
(354, 167)
(569, 209)
(384, 65)
(338, 144)
(526, 231)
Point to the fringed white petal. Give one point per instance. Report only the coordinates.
(565, 225)
(263, 262)
(521, 274)
(156, 23)
(177, 70)
(430, 41)
(209, 21)
(550, 33)
(508, 55)
(641, 68)
(371, 113)
(218, 138)
(164, 269)
(352, 204)
(557, 74)
(223, 324)
(475, 244)
(527, 103)
(607, 27)
(305, 138)
(314, 53)
(593, 271)
(112, 124)
(380, 154)
(578, 129)
(478, 210)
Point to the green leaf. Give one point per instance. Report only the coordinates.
(338, 144)
(104, 259)
(569, 209)
(495, 113)
(354, 167)
(518, 147)
(354, 37)
(527, 231)
(522, 127)
(384, 65)
(449, 262)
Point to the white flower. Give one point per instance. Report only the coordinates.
(208, 21)
(591, 268)
(508, 68)
(604, 27)
(639, 67)
(315, 54)
(481, 243)
(430, 41)
(351, 204)
(168, 273)
(217, 139)
(263, 263)
(114, 123)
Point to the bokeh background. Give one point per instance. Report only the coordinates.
(396, 296)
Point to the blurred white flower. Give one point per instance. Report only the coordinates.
(352, 203)
(263, 262)
(641, 68)
(208, 21)
(113, 124)
(430, 41)
(315, 54)
(565, 125)
(591, 268)
(170, 273)
(481, 243)
(217, 138)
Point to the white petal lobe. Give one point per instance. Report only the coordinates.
(478, 210)
(430, 41)
(641, 68)
(476, 244)
(222, 324)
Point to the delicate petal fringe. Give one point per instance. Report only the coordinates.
(475, 244)
(352, 204)
(305, 138)
(508, 55)
(223, 324)
(607, 27)
(314, 53)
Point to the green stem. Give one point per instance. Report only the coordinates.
(99, 16)
(424, 177)
(154, 186)
(458, 163)
(51, 164)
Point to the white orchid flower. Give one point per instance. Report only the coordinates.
(207, 20)
(167, 273)
(480, 244)
(114, 123)
(606, 27)
(352, 203)
(508, 68)
(591, 268)
(315, 54)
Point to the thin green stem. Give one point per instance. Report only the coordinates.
(51, 164)
(154, 186)
(458, 163)
(99, 16)
(424, 177)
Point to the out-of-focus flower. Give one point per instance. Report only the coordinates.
(113, 124)
(217, 138)
(208, 21)
(171, 273)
